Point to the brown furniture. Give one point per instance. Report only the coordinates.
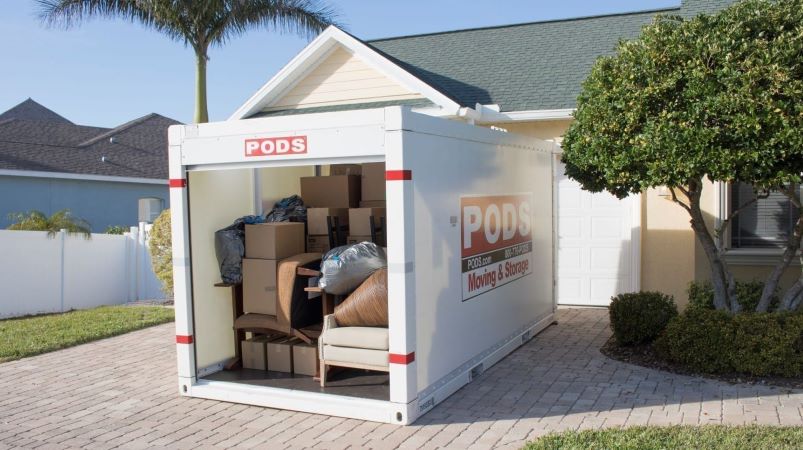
(296, 315)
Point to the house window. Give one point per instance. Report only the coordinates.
(766, 223)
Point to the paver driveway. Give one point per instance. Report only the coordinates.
(122, 392)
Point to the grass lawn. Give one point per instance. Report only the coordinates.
(676, 437)
(32, 335)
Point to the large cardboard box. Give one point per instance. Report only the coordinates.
(276, 240)
(360, 220)
(345, 169)
(259, 286)
(373, 203)
(336, 191)
(255, 353)
(317, 219)
(318, 243)
(305, 359)
(373, 181)
(280, 354)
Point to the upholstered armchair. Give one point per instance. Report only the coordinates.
(355, 347)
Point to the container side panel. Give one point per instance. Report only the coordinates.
(216, 199)
(472, 296)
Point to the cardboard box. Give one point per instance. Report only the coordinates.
(336, 191)
(373, 181)
(255, 353)
(380, 239)
(280, 354)
(345, 169)
(317, 223)
(277, 240)
(373, 203)
(318, 243)
(259, 286)
(360, 220)
(305, 359)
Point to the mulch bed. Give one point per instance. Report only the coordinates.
(645, 356)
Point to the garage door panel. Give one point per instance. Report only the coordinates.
(593, 248)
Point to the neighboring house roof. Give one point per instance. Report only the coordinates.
(137, 149)
(30, 110)
(523, 67)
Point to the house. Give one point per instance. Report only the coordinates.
(103, 175)
(525, 78)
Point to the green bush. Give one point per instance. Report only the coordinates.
(701, 295)
(759, 344)
(161, 250)
(639, 317)
(116, 229)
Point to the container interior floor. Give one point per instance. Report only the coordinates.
(346, 382)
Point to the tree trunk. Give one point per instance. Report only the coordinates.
(792, 247)
(721, 279)
(201, 112)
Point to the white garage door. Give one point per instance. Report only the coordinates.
(594, 244)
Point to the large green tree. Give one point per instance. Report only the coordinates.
(715, 97)
(198, 23)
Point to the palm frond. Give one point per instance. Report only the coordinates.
(60, 220)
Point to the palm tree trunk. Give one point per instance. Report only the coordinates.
(201, 112)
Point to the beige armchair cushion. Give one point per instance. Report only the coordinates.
(357, 337)
(346, 355)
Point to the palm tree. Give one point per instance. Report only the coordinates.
(60, 220)
(198, 23)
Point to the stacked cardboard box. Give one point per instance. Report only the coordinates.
(318, 220)
(360, 224)
(372, 185)
(266, 245)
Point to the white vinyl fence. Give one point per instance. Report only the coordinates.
(41, 274)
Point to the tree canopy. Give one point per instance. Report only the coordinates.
(716, 97)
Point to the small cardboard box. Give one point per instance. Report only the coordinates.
(351, 240)
(259, 286)
(317, 219)
(373, 203)
(276, 240)
(318, 243)
(305, 359)
(280, 354)
(373, 181)
(335, 191)
(360, 220)
(345, 169)
(255, 353)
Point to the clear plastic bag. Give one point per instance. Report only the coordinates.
(345, 268)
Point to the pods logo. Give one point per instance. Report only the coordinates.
(496, 241)
(278, 146)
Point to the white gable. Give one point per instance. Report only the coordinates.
(337, 69)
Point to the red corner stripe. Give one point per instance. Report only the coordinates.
(398, 175)
(183, 339)
(178, 183)
(395, 358)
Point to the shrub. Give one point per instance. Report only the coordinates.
(116, 229)
(768, 344)
(639, 317)
(698, 339)
(759, 344)
(161, 250)
(701, 295)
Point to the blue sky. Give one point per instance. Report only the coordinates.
(104, 73)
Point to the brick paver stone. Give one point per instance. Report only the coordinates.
(121, 393)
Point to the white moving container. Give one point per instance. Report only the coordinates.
(469, 244)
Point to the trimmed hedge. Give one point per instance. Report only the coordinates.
(759, 344)
(701, 295)
(639, 317)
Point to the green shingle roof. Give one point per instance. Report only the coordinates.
(532, 66)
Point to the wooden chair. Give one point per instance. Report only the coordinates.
(355, 347)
